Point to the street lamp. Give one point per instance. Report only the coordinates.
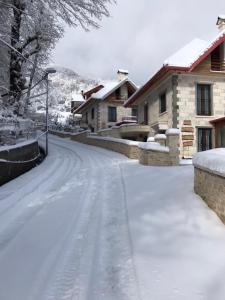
(47, 72)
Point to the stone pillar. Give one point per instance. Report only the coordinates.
(173, 142)
(116, 132)
(161, 139)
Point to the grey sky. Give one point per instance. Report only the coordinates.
(139, 36)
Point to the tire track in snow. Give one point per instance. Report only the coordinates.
(29, 206)
(66, 262)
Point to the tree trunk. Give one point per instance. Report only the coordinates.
(16, 79)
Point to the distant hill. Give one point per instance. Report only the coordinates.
(65, 86)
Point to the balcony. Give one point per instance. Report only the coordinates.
(218, 65)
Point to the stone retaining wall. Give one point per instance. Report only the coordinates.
(16, 160)
(146, 153)
(209, 182)
(211, 188)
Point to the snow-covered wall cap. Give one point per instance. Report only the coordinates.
(19, 145)
(212, 161)
(153, 147)
(151, 139)
(160, 137)
(173, 131)
(116, 140)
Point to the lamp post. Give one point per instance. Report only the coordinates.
(47, 72)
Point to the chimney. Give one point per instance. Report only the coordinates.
(122, 74)
(221, 23)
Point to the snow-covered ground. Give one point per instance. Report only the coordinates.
(90, 224)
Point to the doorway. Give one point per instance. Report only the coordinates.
(204, 139)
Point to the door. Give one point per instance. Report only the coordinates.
(204, 139)
(221, 137)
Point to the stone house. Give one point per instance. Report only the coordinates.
(188, 93)
(104, 104)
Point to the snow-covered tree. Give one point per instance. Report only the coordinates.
(34, 29)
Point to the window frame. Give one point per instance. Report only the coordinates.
(199, 110)
(134, 109)
(92, 113)
(110, 118)
(199, 146)
(160, 103)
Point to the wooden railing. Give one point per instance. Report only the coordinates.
(217, 65)
(130, 118)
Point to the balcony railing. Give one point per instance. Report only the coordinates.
(129, 119)
(217, 65)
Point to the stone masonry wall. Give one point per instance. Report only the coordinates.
(163, 120)
(12, 161)
(154, 156)
(186, 93)
(211, 188)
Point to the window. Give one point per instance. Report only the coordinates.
(146, 114)
(204, 99)
(204, 139)
(93, 113)
(162, 104)
(117, 93)
(134, 112)
(86, 117)
(112, 114)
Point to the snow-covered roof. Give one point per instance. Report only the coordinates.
(188, 54)
(106, 90)
(123, 71)
(186, 59)
(77, 97)
(109, 87)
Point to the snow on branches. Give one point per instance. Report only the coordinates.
(31, 31)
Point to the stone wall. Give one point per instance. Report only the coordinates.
(187, 108)
(181, 107)
(152, 154)
(16, 160)
(158, 121)
(211, 188)
(209, 181)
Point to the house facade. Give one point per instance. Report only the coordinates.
(104, 104)
(188, 93)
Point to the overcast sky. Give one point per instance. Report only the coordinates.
(138, 37)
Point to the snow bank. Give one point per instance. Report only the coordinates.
(212, 161)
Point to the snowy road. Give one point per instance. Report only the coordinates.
(90, 224)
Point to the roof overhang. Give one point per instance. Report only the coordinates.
(166, 69)
(162, 73)
(218, 121)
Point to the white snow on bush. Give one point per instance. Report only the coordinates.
(212, 161)
(173, 131)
